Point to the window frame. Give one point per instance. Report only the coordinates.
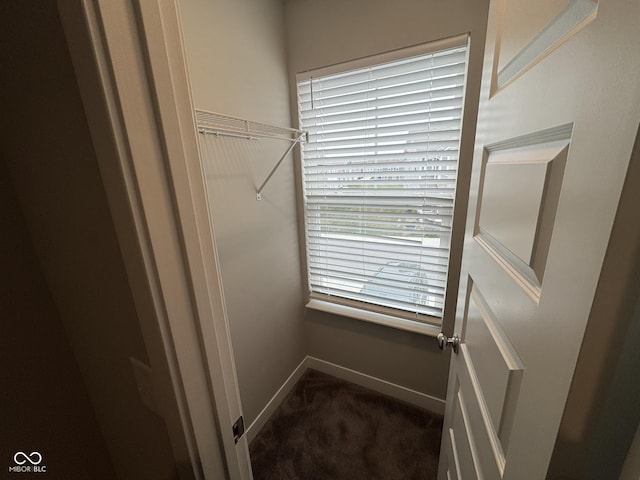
(428, 325)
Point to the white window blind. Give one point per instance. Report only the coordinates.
(379, 173)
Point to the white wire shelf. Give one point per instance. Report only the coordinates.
(226, 125)
(210, 123)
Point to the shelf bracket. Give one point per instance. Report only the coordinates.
(273, 170)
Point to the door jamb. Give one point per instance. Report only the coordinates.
(131, 71)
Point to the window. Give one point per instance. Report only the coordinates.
(379, 176)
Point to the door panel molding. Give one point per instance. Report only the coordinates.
(478, 418)
(563, 26)
(517, 203)
(496, 362)
(453, 464)
(467, 456)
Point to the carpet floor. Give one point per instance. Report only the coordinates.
(329, 429)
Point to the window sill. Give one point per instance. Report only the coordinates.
(375, 317)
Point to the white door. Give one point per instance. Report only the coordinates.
(560, 106)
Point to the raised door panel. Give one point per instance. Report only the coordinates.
(519, 193)
(464, 462)
(496, 364)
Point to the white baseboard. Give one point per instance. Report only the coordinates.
(412, 397)
(275, 401)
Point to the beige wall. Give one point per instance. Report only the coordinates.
(236, 58)
(321, 33)
(52, 165)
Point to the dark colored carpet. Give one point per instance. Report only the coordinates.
(329, 429)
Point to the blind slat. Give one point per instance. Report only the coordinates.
(382, 158)
(416, 64)
(361, 269)
(387, 110)
(386, 87)
(364, 129)
(443, 110)
(408, 139)
(407, 94)
(375, 246)
(435, 145)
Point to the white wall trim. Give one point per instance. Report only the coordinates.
(404, 394)
(162, 39)
(276, 400)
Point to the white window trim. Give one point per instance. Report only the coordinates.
(427, 325)
(371, 316)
